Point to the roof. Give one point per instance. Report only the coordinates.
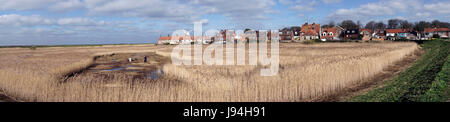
(333, 29)
(310, 33)
(436, 29)
(397, 30)
(364, 29)
(310, 29)
(181, 38)
(165, 38)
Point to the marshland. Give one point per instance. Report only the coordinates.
(105, 73)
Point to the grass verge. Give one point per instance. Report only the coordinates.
(426, 81)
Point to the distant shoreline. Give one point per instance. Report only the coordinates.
(68, 45)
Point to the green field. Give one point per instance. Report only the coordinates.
(426, 81)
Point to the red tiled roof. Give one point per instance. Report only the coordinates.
(368, 30)
(311, 33)
(165, 38)
(397, 30)
(428, 30)
(333, 29)
(310, 29)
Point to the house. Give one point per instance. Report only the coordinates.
(351, 34)
(202, 39)
(379, 35)
(413, 35)
(394, 34)
(309, 31)
(267, 36)
(442, 32)
(173, 40)
(286, 35)
(366, 33)
(164, 39)
(331, 33)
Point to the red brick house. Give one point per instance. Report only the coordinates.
(331, 33)
(286, 35)
(309, 32)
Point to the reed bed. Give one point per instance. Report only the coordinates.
(307, 72)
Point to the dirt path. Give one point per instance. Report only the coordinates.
(375, 82)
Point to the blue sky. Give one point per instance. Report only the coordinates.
(35, 22)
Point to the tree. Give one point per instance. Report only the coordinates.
(420, 26)
(394, 23)
(380, 25)
(329, 25)
(439, 24)
(405, 24)
(371, 25)
(349, 24)
(296, 28)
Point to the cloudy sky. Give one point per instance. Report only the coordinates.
(31, 22)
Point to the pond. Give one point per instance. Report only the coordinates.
(138, 67)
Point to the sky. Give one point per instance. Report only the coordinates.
(59, 22)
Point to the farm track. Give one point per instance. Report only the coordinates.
(375, 82)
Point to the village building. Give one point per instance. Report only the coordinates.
(351, 34)
(164, 40)
(441, 32)
(366, 34)
(309, 32)
(394, 34)
(379, 35)
(332, 33)
(286, 35)
(413, 35)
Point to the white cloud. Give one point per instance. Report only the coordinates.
(441, 8)
(80, 22)
(174, 10)
(302, 5)
(156, 9)
(237, 9)
(19, 20)
(68, 5)
(380, 10)
(25, 4)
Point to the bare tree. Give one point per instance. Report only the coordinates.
(349, 24)
(405, 24)
(420, 26)
(394, 23)
(380, 25)
(371, 25)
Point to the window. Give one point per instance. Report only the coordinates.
(353, 31)
(324, 34)
(331, 33)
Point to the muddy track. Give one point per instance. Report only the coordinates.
(375, 82)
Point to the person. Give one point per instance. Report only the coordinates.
(145, 58)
